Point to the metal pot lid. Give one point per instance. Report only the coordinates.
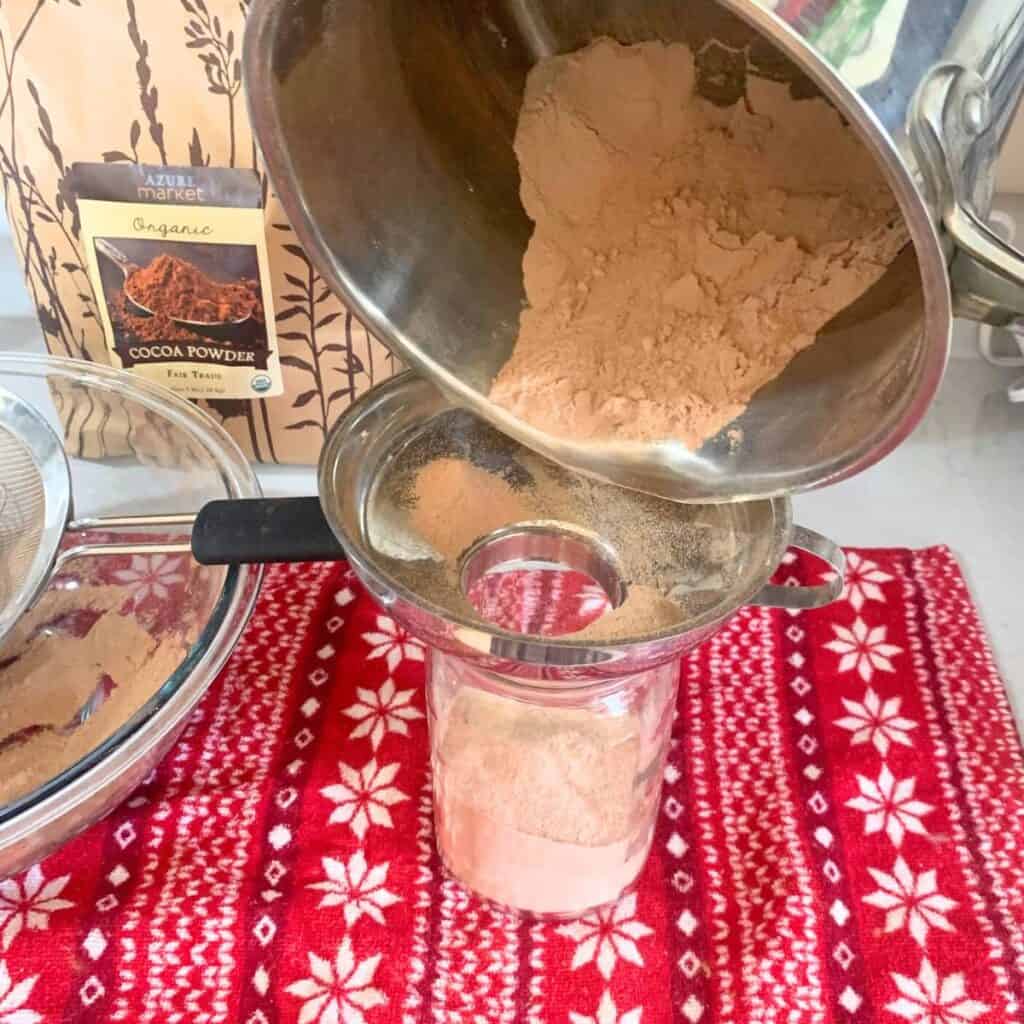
(428, 500)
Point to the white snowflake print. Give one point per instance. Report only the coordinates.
(876, 721)
(29, 903)
(609, 935)
(889, 805)
(863, 649)
(152, 574)
(379, 712)
(862, 582)
(355, 889)
(392, 643)
(608, 1013)
(13, 997)
(929, 999)
(593, 599)
(911, 901)
(364, 796)
(339, 992)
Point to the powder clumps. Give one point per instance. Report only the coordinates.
(174, 288)
(682, 253)
(72, 671)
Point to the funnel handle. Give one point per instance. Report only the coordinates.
(817, 596)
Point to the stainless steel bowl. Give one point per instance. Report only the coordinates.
(132, 446)
(388, 128)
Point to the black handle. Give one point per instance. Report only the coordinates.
(258, 530)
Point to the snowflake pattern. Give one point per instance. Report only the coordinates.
(607, 936)
(13, 998)
(364, 795)
(338, 992)
(911, 901)
(862, 582)
(154, 575)
(889, 806)
(379, 712)
(392, 643)
(29, 903)
(607, 1013)
(929, 999)
(877, 722)
(356, 889)
(863, 649)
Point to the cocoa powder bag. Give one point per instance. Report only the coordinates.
(152, 90)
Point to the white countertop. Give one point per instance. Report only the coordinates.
(959, 480)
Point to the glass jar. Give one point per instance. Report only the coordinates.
(546, 795)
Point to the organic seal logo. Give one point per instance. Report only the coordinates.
(261, 383)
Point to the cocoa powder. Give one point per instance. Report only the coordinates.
(173, 287)
(682, 254)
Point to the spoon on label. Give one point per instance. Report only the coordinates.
(225, 330)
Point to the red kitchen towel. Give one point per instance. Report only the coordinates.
(841, 839)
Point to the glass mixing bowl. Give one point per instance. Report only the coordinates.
(97, 680)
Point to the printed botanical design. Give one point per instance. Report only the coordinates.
(354, 887)
(13, 998)
(862, 649)
(381, 711)
(221, 64)
(608, 1013)
(27, 903)
(310, 308)
(931, 999)
(910, 901)
(193, 116)
(392, 643)
(878, 722)
(364, 795)
(339, 991)
(608, 936)
(151, 575)
(889, 806)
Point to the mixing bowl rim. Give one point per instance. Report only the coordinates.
(208, 653)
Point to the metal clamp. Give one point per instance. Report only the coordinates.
(816, 596)
(951, 133)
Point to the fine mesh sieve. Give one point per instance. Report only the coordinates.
(39, 534)
(36, 507)
(35, 498)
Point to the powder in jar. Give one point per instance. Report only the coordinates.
(175, 288)
(541, 808)
(682, 253)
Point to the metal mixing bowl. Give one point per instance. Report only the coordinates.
(388, 130)
(132, 447)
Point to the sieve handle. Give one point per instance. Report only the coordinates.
(258, 530)
(817, 596)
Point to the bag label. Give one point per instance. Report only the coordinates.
(179, 256)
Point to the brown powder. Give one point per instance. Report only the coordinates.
(682, 253)
(158, 327)
(644, 611)
(457, 503)
(173, 287)
(75, 646)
